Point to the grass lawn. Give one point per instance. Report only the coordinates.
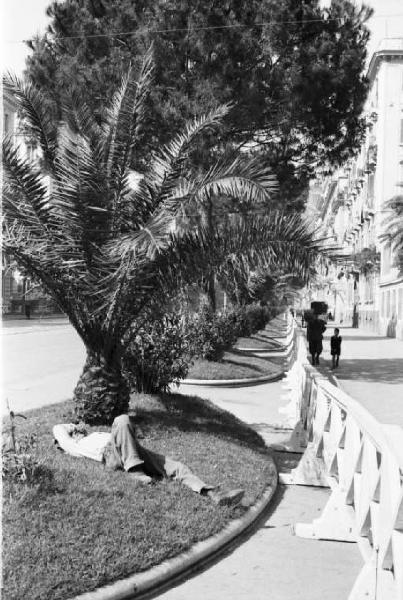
(90, 526)
(235, 365)
(262, 340)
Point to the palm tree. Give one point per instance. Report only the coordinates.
(393, 227)
(102, 242)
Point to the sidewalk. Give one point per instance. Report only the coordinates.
(371, 371)
(272, 562)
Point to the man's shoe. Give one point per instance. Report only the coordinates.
(230, 498)
(140, 476)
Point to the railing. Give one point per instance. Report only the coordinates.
(346, 448)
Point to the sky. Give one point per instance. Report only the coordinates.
(22, 19)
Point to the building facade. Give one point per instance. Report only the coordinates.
(19, 295)
(366, 288)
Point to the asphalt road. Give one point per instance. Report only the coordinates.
(41, 362)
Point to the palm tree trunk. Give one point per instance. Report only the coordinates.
(210, 280)
(102, 392)
(210, 292)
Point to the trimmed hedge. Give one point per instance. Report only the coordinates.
(161, 352)
(212, 334)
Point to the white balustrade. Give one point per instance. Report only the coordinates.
(346, 448)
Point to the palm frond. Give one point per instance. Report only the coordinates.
(80, 192)
(221, 180)
(37, 113)
(167, 165)
(80, 119)
(277, 241)
(393, 222)
(25, 194)
(126, 118)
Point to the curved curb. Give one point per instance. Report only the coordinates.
(168, 571)
(276, 351)
(286, 352)
(283, 353)
(234, 382)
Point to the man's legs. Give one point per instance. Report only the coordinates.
(180, 472)
(319, 348)
(337, 359)
(333, 361)
(160, 465)
(144, 464)
(122, 451)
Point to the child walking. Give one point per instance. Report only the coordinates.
(335, 348)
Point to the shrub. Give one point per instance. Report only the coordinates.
(250, 319)
(158, 355)
(211, 334)
(21, 466)
(257, 318)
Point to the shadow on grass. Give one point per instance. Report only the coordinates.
(224, 551)
(242, 364)
(192, 414)
(126, 526)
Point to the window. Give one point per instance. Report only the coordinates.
(388, 304)
(6, 123)
(401, 131)
(400, 304)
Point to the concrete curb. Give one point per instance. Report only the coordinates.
(170, 570)
(234, 382)
(286, 351)
(277, 351)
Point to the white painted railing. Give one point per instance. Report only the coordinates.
(346, 448)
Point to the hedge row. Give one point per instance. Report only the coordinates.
(213, 334)
(161, 351)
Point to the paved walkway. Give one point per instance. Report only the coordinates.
(272, 562)
(371, 371)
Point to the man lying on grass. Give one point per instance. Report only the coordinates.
(120, 449)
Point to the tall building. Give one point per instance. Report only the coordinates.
(366, 288)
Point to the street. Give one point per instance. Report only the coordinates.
(41, 362)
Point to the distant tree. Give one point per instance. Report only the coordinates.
(293, 70)
(393, 228)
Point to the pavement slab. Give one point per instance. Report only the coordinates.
(275, 564)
